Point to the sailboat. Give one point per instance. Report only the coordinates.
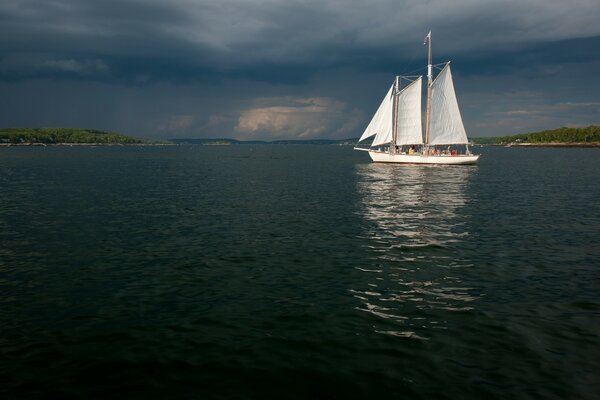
(397, 125)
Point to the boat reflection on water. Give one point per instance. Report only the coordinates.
(413, 232)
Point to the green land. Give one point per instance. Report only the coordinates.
(589, 136)
(54, 136)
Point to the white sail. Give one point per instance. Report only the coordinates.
(385, 134)
(381, 124)
(445, 126)
(409, 114)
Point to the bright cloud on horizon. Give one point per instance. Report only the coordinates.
(301, 118)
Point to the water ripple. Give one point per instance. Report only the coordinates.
(297, 272)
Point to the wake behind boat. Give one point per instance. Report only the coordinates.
(397, 125)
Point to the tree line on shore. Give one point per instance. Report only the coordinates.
(63, 135)
(590, 134)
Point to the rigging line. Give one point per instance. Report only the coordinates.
(416, 70)
(410, 78)
(409, 64)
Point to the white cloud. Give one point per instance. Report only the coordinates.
(288, 117)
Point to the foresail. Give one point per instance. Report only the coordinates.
(381, 124)
(409, 114)
(445, 126)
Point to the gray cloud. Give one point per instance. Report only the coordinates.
(550, 115)
(167, 39)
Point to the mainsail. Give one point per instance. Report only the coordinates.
(381, 124)
(409, 114)
(445, 126)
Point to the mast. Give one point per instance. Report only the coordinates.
(395, 117)
(429, 80)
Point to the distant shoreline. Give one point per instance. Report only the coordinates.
(36, 144)
(561, 137)
(588, 137)
(594, 144)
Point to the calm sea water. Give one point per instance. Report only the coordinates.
(301, 271)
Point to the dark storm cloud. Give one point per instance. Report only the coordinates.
(337, 53)
(137, 41)
(132, 40)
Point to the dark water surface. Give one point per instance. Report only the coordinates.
(298, 272)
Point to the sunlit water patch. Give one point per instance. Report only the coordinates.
(413, 242)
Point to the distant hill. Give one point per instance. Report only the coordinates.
(24, 136)
(63, 135)
(217, 142)
(209, 142)
(588, 135)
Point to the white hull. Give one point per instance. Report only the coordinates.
(379, 156)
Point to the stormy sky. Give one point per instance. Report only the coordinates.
(275, 69)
